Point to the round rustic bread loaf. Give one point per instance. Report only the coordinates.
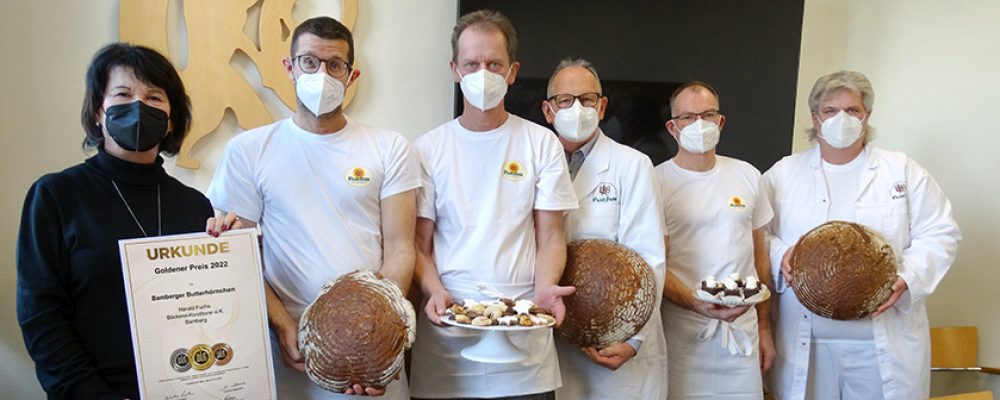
(615, 293)
(356, 331)
(842, 270)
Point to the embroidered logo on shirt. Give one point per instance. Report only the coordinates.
(605, 193)
(737, 203)
(358, 176)
(898, 190)
(513, 171)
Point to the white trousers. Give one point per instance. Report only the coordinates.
(846, 371)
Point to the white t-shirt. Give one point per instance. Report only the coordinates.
(480, 189)
(316, 198)
(711, 216)
(842, 184)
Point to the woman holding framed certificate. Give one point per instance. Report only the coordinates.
(71, 301)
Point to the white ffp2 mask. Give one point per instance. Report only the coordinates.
(319, 92)
(841, 130)
(484, 89)
(577, 122)
(700, 136)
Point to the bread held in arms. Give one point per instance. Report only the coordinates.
(615, 293)
(842, 270)
(355, 332)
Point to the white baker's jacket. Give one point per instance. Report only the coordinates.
(900, 200)
(618, 201)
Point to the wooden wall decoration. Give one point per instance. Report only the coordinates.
(215, 34)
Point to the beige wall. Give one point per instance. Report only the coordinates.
(42, 87)
(934, 66)
(406, 86)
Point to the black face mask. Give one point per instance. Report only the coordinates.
(136, 126)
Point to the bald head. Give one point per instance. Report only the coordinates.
(693, 101)
(693, 97)
(573, 80)
(575, 64)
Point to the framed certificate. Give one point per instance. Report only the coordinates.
(198, 316)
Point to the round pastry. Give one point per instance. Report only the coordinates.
(493, 312)
(615, 293)
(842, 270)
(356, 331)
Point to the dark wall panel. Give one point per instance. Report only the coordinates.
(747, 49)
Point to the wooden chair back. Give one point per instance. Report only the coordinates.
(954, 347)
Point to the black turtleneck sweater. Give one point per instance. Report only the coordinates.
(70, 291)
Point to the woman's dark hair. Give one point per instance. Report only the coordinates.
(151, 68)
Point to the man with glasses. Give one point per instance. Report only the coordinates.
(715, 212)
(617, 202)
(331, 195)
(491, 213)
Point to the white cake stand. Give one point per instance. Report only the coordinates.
(494, 347)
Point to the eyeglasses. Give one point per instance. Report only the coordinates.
(309, 64)
(566, 100)
(710, 115)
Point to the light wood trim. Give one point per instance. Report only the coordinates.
(144, 22)
(985, 395)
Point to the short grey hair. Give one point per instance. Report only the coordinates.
(851, 81)
(574, 62)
